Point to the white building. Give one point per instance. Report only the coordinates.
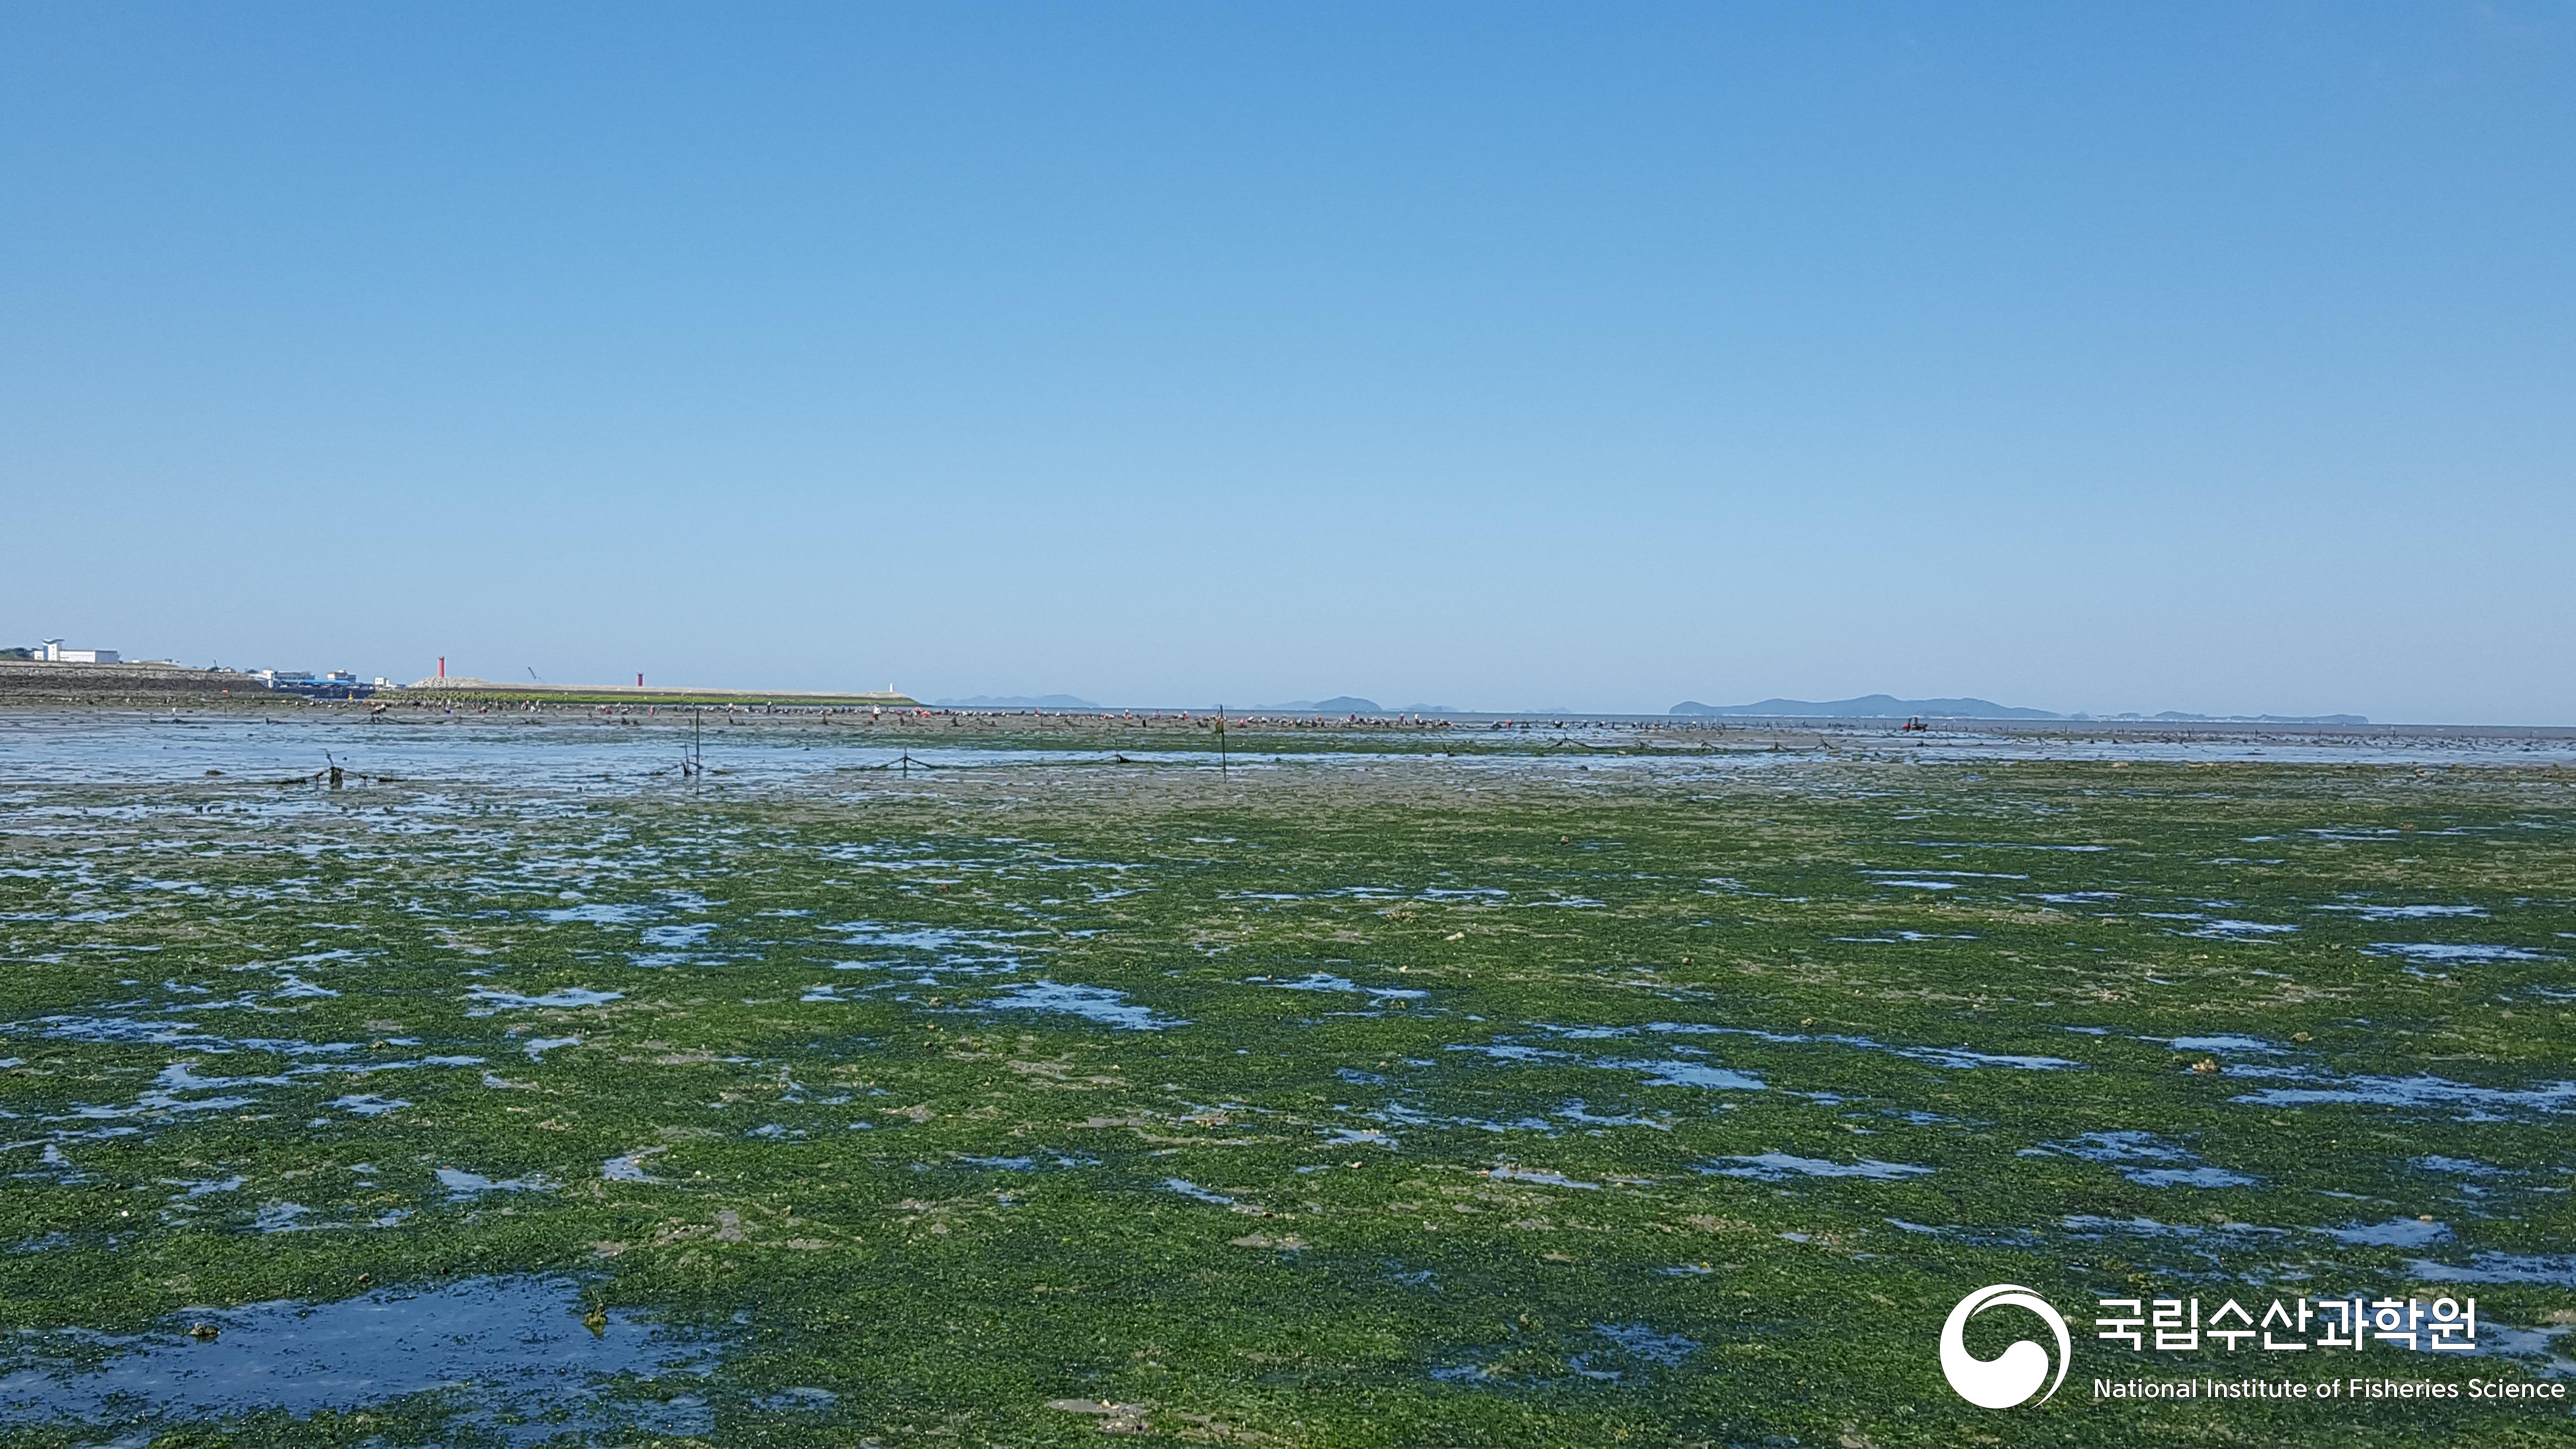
(55, 652)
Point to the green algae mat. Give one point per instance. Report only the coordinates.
(1356, 1100)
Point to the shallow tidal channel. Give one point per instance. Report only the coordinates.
(525, 1091)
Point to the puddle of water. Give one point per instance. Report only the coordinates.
(1963, 1058)
(1578, 1111)
(2476, 1104)
(1687, 1074)
(2394, 1233)
(2506, 1341)
(494, 999)
(2216, 1044)
(1899, 937)
(678, 938)
(1095, 1003)
(519, 1341)
(2087, 1225)
(601, 914)
(1038, 1162)
(914, 938)
(1189, 1189)
(1645, 1343)
(2204, 1177)
(2407, 913)
(128, 1031)
(2002, 845)
(367, 1104)
(1320, 981)
(1549, 1179)
(283, 1217)
(2220, 928)
(2143, 1158)
(1404, 1116)
(462, 1184)
(1663, 1073)
(2466, 1167)
(1948, 874)
(1509, 1052)
(2558, 1271)
(629, 1167)
(1780, 1166)
(2436, 953)
(537, 1047)
(1960, 1057)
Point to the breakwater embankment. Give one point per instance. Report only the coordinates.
(29, 681)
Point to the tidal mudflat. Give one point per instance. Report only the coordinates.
(1388, 1089)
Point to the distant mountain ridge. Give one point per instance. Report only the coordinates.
(1870, 706)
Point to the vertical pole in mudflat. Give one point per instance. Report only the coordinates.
(1221, 770)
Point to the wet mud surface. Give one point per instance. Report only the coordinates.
(1360, 1096)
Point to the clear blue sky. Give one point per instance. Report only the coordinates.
(2094, 357)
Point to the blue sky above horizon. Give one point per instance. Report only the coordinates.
(2199, 357)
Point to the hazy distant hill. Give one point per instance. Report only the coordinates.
(1018, 701)
(1338, 704)
(1871, 706)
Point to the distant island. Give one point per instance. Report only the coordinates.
(1888, 706)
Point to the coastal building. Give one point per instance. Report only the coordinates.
(337, 684)
(56, 653)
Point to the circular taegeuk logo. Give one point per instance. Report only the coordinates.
(2012, 1377)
